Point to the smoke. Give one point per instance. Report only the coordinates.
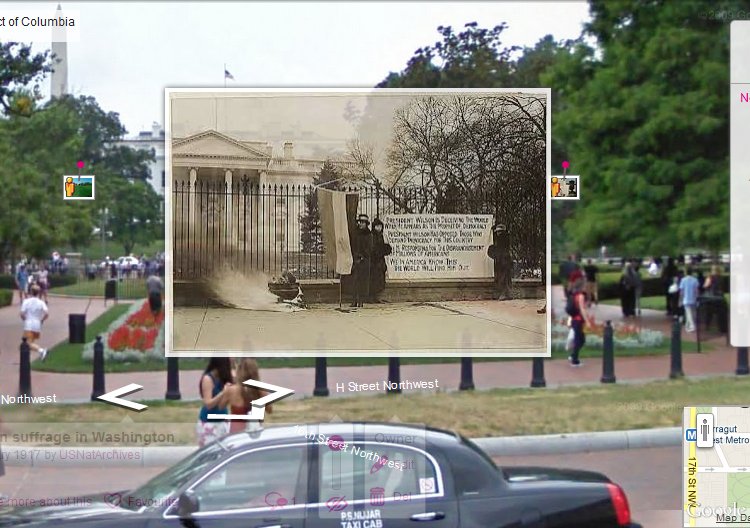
(246, 291)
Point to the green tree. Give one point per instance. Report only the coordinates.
(472, 58)
(41, 144)
(20, 69)
(645, 121)
(310, 234)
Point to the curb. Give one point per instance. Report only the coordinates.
(581, 442)
(161, 456)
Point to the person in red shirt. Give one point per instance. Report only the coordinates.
(579, 317)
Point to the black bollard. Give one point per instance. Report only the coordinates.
(24, 370)
(173, 379)
(608, 355)
(676, 350)
(742, 366)
(394, 375)
(321, 377)
(467, 374)
(98, 389)
(537, 372)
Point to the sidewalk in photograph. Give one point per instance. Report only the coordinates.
(514, 326)
(721, 360)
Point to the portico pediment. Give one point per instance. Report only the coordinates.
(212, 144)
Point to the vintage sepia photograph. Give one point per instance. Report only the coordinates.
(341, 222)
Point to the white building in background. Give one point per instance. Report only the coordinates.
(151, 139)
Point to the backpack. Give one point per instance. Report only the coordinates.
(571, 308)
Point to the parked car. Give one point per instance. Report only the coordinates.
(347, 475)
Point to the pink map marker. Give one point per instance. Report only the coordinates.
(80, 164)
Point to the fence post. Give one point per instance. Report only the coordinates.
(173, 379)
(394, 375)
(98, 388)
(742, 366)
(676, 350)
(321, 377)
(467, 374)
(608, 355)
(24, 371)
(537, 372)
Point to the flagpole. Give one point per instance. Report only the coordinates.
(339, 292)
(225, 75)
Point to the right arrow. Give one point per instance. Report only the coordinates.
(258, 407)
(113, 397)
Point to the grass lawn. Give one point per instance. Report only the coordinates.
(657, 302)
(499, 412)
(126, 289)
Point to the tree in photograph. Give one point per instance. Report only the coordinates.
(311, 239)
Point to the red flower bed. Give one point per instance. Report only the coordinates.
(139, 332)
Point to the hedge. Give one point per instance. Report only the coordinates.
(8, 282)
(6, 297)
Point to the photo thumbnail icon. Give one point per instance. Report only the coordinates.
(77, 187)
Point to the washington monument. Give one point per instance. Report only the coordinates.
(59, 77)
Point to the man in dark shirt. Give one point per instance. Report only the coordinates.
(591, 289)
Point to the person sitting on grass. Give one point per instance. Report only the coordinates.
(34, 312)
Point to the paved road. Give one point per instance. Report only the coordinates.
(651, 478)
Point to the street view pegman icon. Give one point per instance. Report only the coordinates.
(79, 187)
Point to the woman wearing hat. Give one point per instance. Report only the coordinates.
(499, 251)
(361, 253)
(378, 266)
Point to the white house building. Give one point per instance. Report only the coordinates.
(152, 139)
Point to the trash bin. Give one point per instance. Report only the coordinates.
(110, 289)
(77, 328)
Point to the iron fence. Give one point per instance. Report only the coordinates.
(276, 228)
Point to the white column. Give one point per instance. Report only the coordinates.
(228, 208)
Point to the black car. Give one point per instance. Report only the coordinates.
(356, 475)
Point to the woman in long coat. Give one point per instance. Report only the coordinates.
(378, 266)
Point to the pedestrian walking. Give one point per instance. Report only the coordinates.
(499, 252)
(22, 281)
(591, 271)
(668, 274)
(627, 290)
(689, 287)
(155, 288)
(361, 255)
(378, 267)
(33, 313)
(43, 281)
(213, 387)
(579, 317)
(638, 285)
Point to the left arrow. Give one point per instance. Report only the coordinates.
(113, 397)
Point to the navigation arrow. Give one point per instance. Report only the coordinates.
(113, 397)
(258, 407)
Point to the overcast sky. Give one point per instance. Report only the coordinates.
(129, 52)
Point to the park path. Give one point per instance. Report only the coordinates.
(55, 330)
(508, 374)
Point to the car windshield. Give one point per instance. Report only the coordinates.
(158, 491)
